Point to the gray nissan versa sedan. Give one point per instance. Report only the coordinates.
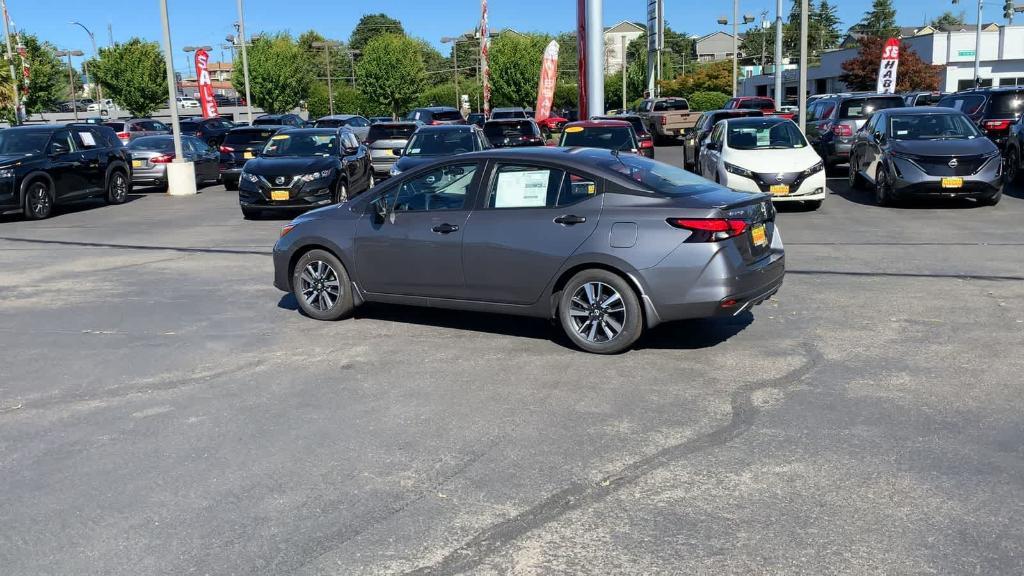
(607, 243)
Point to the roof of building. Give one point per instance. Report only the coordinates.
(625, 26)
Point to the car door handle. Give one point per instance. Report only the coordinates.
(445, 228)
(570, 219)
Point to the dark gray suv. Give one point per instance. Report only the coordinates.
(833, 121)
(607, 243)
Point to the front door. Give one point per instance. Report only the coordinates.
(530, 220)
(415, 248)
(67, 166)
(93, 153)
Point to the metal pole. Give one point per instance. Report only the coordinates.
(977, 48)
(582, 54)
(330, 87)
(735, 45)
(95, 54)
(71, 86)
(455, 59)
(10, 62)
(245, 59)
(802, 87)
(171, 92)
(595, 56)
(622, 42)
(778, 53)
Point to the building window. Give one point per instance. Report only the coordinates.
(969, 83)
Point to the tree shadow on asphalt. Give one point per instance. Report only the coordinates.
(679, 335)
(73, 207)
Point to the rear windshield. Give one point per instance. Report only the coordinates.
(116, 126)
(1007, 104)
(656, 176)
(330, 123)
(499, 130)
(157, 143)
(151, 125)
(189, 126)
(638, 124)
(612, 138)
(669, 105)
(505, 114)
(248, 137)
(864, 107)
(447, 115)
(268, 121)
(966, 103)
(390, 132)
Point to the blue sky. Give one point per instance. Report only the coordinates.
(208, 21)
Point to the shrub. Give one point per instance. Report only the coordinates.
(701, 101)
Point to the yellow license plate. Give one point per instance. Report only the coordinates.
(136, 163)
(247, 155)
(779, 189)
(758, 235)
(952, 182)
(280, 194)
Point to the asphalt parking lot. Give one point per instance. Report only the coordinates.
(165, 410)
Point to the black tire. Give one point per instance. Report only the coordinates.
(813, 204)
(230, 184)
(883, 190)
(341, 192)
(118, 187)
(1011, 171)
(992, 200)
(589, 317)
(38, 201)
(251, 213)
(321, 286)
(854, 178)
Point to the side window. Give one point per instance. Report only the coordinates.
(360, 122)
(522, 186)
(349, 140)
(443, 188)
(812, 112)
(85, 140)
(61, 142)
(199, 146)
(716, 134)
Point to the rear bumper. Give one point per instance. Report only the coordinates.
(152, 175)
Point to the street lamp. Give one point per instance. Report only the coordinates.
(71, 70)
(96, 55)
(327, 45)
(181, 175)
(188, 62)
(245, 59)
(454, 41)
(747, 19)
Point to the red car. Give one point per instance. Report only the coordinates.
(763, 103)
(552, 123)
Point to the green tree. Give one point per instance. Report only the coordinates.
(133, 75)
(707, 100)
(757, 42)
(280, 73)
(340, 65)
(879, 22)
(515, 68)
(791, 30)
(705, 77)
(566, 95)
(947, 20)
(437, 66)
(49, 80)
(826, 23)
(371, 26)
(391, 72)
(347, 100)
(861, 71)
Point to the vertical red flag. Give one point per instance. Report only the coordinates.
(206, 101)
(548, 77)
(887, 68)
(485, 68)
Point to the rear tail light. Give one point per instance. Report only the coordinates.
(435, 122)
(124, 136)
(996, 124)
(842, 130)
(710, 229)
(165, 159)
(199, 134)
(646, 144)
(226, 149)
(664, 120)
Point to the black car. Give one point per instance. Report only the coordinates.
(511, 133)
(477, 118)
(305, 168)
(209, 130)
(293, 120)
(694, 139)
(241, 145)
(44, 165)
(925, 152)
(923, 98)
(1014, 152)
(436, 115)
(994, 110)
(833, 121)
(429, 143)
(643, 136)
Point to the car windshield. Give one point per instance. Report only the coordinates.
(931, 127)
(23, 141)
(638, 124)
(390, 132)
(966, 103)
(1008, 104)
(670, 105)
(500, 130)
(248, 137)
(656, 176)
(155, 143)
(610, 137)
(330, 123)
(440, 143)
(447, 115)
(268, 121)
(301, 144)
(764, 135)
(505, 114)
(864, 107)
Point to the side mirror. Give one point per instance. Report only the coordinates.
(711, 146)
(397, 151)
(879, 136)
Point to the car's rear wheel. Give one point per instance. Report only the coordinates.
(341, 192)
(1012, 168)
(600, 312)
(117, 188)
(883, 187)
(856, 181)
(321, 286)
(251, 213)
(230, 184)
(38, 201)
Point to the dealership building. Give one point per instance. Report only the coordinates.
(1002, 61)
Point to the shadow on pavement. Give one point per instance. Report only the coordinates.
(73, 207)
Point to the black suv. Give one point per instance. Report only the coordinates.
(994, 110)
(209, 130)
(833, 121)
(240, 145)
(293, 120)
(436, 115)
(52, 164)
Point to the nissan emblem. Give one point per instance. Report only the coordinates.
(953, 163)
(279, 180)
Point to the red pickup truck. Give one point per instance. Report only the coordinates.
(764, 104)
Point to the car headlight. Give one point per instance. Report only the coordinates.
(250, 177)
(394, 171)
(315, 175)
(814, 169)
(734, 169)
(7, 173)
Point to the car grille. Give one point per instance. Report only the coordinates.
(940, 165)
(766, 180)
(271, 181)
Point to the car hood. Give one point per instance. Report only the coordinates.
(406, 163)
(6, 160)
(288, 165)
(784, 160)
(970, 147)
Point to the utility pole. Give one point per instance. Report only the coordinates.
(595, 56)
(181, 176)
(802, 87)
(245, 60)
(96, 55)
(71, 77)
(778, 53)
(622, 42)
(10, 62)
(735, 47)
(326, 45)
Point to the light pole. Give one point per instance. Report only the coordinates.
(454, 41)
(977, 44)
(96, 55)
(801, 97)
(245, 59)
(181, 175)
(747, 19)
(778, 53)
(71, 78)
(327, 56)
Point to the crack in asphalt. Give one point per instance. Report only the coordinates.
(137, 246)
(578, 495)
(994, 278)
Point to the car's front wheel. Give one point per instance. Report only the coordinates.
(599, 312)
(321, 286)
(883, 187)
(38, 201)
(1012, 167)
(117, 188)
(341, 192)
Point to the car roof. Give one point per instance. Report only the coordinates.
(743, 120)
(319, 130)
(435, 109)
(259, 128)
(919, 110)
(509, 120)
(508, 109)
(598, 124)
(448, 128)
(398, 123)
(337, 117)
(615, 117)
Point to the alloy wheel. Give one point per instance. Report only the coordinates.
(342, 195)
(882, 194)
(119, 188)
(597, 312)
(39, 201)
(1012, 165)
(319, 285)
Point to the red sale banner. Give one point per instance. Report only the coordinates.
(887, 69)
(206, 101)
(548, 77)
(485, 67)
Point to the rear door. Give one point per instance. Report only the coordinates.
(94, 160)
(529, 221)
